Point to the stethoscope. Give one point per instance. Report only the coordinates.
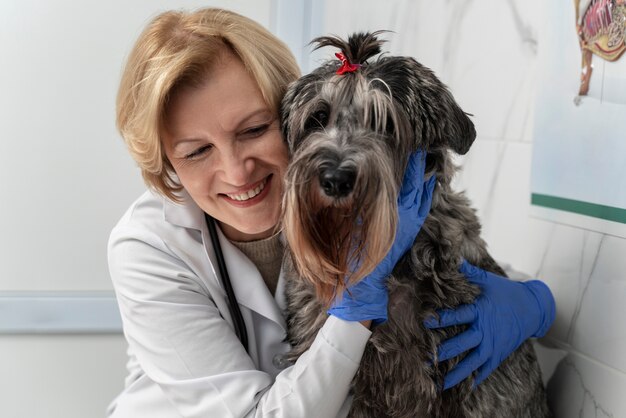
(233, 306)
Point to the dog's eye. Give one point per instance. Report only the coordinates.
(317, 120)
(388, 127)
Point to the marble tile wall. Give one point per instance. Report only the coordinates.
(486, 52)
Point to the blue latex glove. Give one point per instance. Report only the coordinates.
(368, 298)
(501, 319)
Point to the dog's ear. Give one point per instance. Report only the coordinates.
(294, 95)
(458, 129)
(299, 101)
(285, 110)
(434, 114)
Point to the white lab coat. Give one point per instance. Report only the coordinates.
(184, 357)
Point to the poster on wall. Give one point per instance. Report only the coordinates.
(579, 151)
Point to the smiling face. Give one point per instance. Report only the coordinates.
(225, 145)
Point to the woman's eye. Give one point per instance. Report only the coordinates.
(198, 152)
(256, 130)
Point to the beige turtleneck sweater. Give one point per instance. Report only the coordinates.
(267, 256)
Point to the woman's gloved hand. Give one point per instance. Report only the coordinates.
(501, 319)
(367, 299)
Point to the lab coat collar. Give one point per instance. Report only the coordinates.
(186, 213)
(248, 285)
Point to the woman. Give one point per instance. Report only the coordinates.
(197, 107)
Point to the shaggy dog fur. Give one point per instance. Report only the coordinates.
(361, 127)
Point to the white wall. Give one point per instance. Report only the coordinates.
(486, 51)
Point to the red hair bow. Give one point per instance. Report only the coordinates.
(346, 66)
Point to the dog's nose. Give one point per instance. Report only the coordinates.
(337, 182)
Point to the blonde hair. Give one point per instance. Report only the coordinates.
(177, 49)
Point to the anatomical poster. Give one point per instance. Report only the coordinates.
(579, 146)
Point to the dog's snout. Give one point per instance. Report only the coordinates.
(337, 182)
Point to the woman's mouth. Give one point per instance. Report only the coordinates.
(250, 193)
(250, 196)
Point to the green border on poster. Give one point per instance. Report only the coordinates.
(608, 213)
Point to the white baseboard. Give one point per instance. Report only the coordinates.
(59, 313)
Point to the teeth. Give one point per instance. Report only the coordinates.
(249, 194)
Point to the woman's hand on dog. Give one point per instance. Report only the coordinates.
(414, 202)
(505, 315)
(367, 299)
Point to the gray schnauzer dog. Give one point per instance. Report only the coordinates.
(349, 137)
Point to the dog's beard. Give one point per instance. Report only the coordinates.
(337, 242)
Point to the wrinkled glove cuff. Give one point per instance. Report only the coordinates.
(377, 313)
(547, 305)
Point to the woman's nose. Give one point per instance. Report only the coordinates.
(236, 167)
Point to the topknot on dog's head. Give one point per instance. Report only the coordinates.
(357, 49)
